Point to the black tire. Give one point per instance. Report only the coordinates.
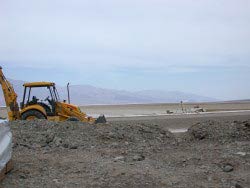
(73, 119)
(32, 113)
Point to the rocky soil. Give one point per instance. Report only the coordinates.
(129, 154)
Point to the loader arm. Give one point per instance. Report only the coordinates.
(10, 97)
(68, 110)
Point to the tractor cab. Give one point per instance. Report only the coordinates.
(35, 94)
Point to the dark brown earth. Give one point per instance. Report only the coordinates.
(215, 152)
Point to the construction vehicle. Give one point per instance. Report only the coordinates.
(51, 108)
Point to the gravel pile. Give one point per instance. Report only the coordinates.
(220, 131)
(73, 135)
(128, 154)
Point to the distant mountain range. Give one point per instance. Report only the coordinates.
(88, 95)
(238, 101)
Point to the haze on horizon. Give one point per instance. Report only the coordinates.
(200, 47)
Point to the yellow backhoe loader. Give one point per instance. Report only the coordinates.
(51, 108)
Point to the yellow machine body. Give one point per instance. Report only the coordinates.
(54, 110)
(34, 107)
(38, 84)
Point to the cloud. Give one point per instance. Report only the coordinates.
(132, 37)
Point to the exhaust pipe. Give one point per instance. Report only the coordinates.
(68, 93)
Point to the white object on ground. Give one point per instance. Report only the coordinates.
(3, 120)
(241, 153)
(178, 130)
(5, 144)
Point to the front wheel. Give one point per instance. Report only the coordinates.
(32, 114)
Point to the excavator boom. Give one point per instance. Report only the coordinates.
(10, 98)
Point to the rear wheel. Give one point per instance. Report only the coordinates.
(32, 114)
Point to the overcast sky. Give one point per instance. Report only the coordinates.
(197, 46)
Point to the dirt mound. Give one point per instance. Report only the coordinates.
(125, 154)
(73, 135)
(220, 131)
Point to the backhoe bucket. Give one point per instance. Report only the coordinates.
(101, 119)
